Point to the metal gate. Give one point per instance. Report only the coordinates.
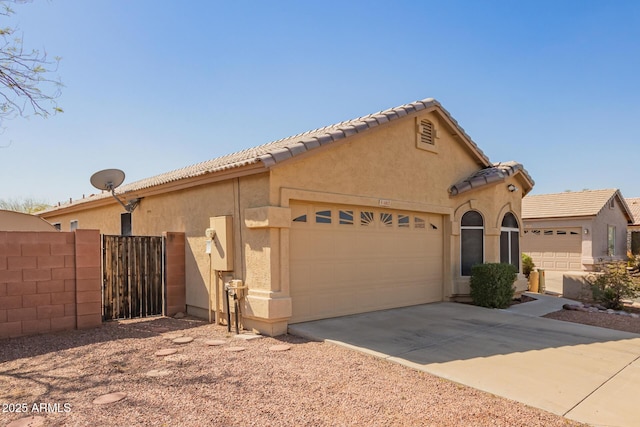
(133, 276)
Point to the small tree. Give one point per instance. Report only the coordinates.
(527, 265)
(27, 205)
(26, 84)
(613, 283)
(492, 284)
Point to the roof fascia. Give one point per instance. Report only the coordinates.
(556, 218)
(625, 207)
(459, 134)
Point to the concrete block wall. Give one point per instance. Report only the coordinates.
(49, 281)
(176, 300)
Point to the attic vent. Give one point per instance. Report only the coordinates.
(426, 135)
(427, 132)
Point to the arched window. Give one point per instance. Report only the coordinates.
(510, 241)
(471, 241)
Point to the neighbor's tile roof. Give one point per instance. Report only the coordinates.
(283, 149)
(634, 207)
(496, 173)
(569, 204)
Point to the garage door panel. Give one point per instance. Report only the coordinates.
(558, 249)
(342, 269)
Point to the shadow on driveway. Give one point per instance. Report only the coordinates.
(444, 332)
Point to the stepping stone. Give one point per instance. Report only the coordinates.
(215, 342)
(159, 373)
(27, 422)
(234, 349)
(280, 347)
(109, 398)
(248, 337)
(166, 351)
(183, 340)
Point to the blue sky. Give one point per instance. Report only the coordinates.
(153, 85)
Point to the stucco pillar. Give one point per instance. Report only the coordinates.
(175, 273)
(267, 306)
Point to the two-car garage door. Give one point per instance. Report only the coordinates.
(558, 249)
(349, 259)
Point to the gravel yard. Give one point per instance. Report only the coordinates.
(310, 384)
(603, 320)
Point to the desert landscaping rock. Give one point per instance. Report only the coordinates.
(173, 336)
(159, 373)
(166, 351)
(183, 340)
(178, 315)
(27, 422)
(280, 347)
(234, 349)
(215, 342)
(109, 398)
(248, 336)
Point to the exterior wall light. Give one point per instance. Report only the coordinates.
(512, 188)
(586, 231)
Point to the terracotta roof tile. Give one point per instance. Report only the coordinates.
(634, 207)
(496, 173)
(569, 204)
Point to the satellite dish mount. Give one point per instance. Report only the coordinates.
(109, 180)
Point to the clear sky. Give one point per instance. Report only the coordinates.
(153, 85)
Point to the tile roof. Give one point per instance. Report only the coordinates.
(498, 172)
(283, 149)
(634, 207)
(570, 204)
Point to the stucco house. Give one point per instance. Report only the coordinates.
(633, 229)
(386, 210)
(573, 231)
(18, 221)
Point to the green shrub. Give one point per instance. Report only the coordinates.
(492, 284)
(614, 283)
(527, 265)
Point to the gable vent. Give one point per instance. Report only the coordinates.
(427, 132)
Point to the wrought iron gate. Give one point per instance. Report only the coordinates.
(133, 276)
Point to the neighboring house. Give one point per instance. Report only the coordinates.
(18, 221)
(573, 231)
(633, 236)
(383, 211)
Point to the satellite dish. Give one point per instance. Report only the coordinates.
(107, 179)
(110, 179)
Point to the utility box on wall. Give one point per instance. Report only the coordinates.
(222, 242)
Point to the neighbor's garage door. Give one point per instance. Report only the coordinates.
(348, 259)
(558, 249)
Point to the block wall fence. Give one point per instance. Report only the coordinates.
(52, 281)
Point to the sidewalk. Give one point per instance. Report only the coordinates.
(544, 304)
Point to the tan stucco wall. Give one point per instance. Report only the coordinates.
(106, 219)
(609, 216)
(17, 221)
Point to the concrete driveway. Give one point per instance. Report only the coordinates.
(588, 374)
